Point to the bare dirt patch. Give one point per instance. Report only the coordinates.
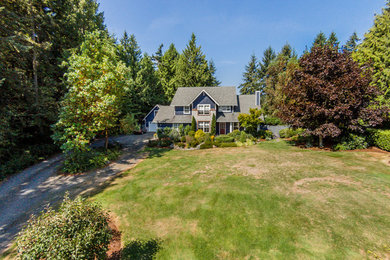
(174, 225)
(251, 168)
(298, 186)
(114, 248)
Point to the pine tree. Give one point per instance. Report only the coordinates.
(130, 53)
(213, 79)
(193, 124)
(320, 40)
(213, 125)
(148, 86)
(268, 56)
(333, 40)
(167, 72)
(374, 51)
(251, 77)
(352, 43)
(158, 55)
(192, 69)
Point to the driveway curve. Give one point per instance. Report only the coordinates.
(31, 190)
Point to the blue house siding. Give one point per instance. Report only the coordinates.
(203, 99)
(149, 118)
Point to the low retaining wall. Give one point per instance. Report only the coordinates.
(275, 129)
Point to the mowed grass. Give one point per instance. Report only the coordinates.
(265, 201)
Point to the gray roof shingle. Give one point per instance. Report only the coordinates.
(224, 96)
(166, 114)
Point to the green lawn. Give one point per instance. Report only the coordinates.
(265, 201)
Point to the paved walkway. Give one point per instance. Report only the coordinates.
(29, 191)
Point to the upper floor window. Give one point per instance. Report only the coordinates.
(187, 110)
(203, 109)
(227, 109)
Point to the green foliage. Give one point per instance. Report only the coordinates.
(290, 132)
(193, 124)
(199, 135)
(320, 40)
(167, 72)
(191, 133)
(235, 134)
(374, 51)
(251, 121)
(352, 43)
(243, 137)
(82, 161)
(193, 143)
(181, 145)
(333, 41)
(224, 139)
(351, 142)
(230, 144)
(138, 249)
(165, 143)
(206, 145)
(187, 129)
(264, 134)
(130, 53)
(213, 125)
(152, 143)
(273, 120)
(77, 230)
(181, 130)
(95, 81)
(268, 56)
(381, 139)
(174, 135)
(251, 77)
(192, 69)
(129, 124)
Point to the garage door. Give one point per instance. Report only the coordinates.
(152, 127)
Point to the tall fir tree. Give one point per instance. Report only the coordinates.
(352, 43)
(268, 56)
(251, 77)
(158, 55)
(213, 79)
(167, 72)
(333, 41)
(320, 40)
(374, 51)
(192, 68)
(130, 53)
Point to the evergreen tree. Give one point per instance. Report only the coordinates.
(193, 124)
(213, 125)
(374, 51)
(333, 40)
(130, 53)
(213, 79)
(268, 56)
(320, 40)
(192, 69)
(95, 80)
(352, 43)
(158, 55)
(167, 72)
(148, 86)
(251, 77)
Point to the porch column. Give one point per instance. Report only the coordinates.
(231, 127)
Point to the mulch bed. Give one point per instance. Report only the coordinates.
(114, 248)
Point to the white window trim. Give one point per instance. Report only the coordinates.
(184, 110)
(201, 107)
(203, 127)
(223, 109)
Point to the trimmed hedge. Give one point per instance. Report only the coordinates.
(224, 139)
(381, 139)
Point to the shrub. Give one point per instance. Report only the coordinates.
(206, 145)
(152, 143)
(194, 143)
(270, 120)
(174, 135)
(165, 143)
(129, 124)
(82, 161)
(189, 139)
(351, 142)
(264, 134)
(199, 135)
(162, 133)
(207, 138)
(191, 133)
(183, 139)
(243, 137)
(77, 230)
(187, 129)
(224, 139)
(181, 145)
(181, 130)
(235, 134)
(381, 139)
(228, 145)
(289, 132)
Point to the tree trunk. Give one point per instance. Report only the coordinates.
(106, 141)
(321, 141)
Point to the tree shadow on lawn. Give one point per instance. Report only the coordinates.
(156, 152)
(139, 249)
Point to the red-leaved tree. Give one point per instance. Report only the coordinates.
(330, 95)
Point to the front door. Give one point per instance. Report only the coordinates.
(222, 128)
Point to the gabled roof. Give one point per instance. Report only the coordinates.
(223, 96)
(166, 115)
(151, 111)
(245, 102)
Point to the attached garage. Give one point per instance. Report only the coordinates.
(148, 119)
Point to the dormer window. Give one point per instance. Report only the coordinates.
(187, 110)
(226, 109)
(204, 109)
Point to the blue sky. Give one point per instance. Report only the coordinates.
(230, 31)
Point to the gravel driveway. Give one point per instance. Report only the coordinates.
(29, 191)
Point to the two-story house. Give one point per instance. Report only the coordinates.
(202, 103)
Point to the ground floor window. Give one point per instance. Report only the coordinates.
(204, 125)
(236, 126)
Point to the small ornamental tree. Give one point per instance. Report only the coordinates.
(251, 121)
(77, 230)
(193, 124)
(329, 95)
(213, 125)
